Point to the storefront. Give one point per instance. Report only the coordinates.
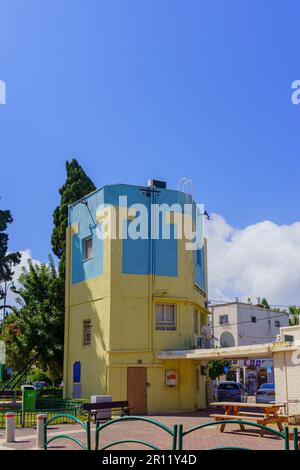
(251, 372)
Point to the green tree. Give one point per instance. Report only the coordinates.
(35, 326)
(77, 185)
(216, 368)
(294, 313)
(7, 260)
(265, 303)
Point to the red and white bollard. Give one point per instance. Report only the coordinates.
(10, 427)
(40, 420)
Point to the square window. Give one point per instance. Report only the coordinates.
(253, 319)
(223, 320)
(289, 338)
(87, 248)
(165, 317)
(277, 323)
(87, 332)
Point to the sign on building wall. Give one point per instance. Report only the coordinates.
(171, 378)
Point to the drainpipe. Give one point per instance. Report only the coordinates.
(151, 325)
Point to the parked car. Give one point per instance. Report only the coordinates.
(40, 384)
(231, 391)
(266, 393)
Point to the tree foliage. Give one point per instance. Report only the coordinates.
(36, 325)
(265, 303)
(7, 260)
(216, 368)
(294, 313)
(77, 185)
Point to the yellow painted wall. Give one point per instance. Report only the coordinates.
(122, 310)
(159, 396)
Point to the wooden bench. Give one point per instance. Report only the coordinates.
(258, 418)
(219, 417)
(93, 408)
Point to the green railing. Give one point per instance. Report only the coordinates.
(99, 428)
(177, 433)
(284, 435)
(85, 426)
(28, 418)
(68, 406)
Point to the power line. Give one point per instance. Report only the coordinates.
(249, 321)
(215, 301)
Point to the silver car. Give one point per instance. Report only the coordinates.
(231, 391)
(266, 393)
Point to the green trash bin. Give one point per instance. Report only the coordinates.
(28, 397)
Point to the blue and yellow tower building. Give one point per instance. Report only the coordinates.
(129, 298)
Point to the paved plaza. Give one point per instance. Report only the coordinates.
(200, 440)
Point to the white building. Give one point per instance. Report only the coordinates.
(284, 354)
(287, 370)
(240, 324)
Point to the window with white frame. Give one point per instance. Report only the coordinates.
(165, 317)
(87, 248)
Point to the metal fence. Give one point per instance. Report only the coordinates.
(177, 434)
(55, 419)
(100, 427)
(284, 436)
(51, 407)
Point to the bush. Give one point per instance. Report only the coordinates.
(38, 375)
(51, 392)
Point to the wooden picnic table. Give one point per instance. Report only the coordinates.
(269, 414)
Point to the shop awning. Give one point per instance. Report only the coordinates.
(236, 352)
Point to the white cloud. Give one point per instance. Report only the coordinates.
(261, 260)
(26, 255)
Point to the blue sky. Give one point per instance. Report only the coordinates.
(138, 89)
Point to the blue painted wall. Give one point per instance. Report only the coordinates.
(85, 216)
(135, 253)
(164, 261)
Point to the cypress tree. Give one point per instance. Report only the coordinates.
(77, 185)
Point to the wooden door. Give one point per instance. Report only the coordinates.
(137, 389)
